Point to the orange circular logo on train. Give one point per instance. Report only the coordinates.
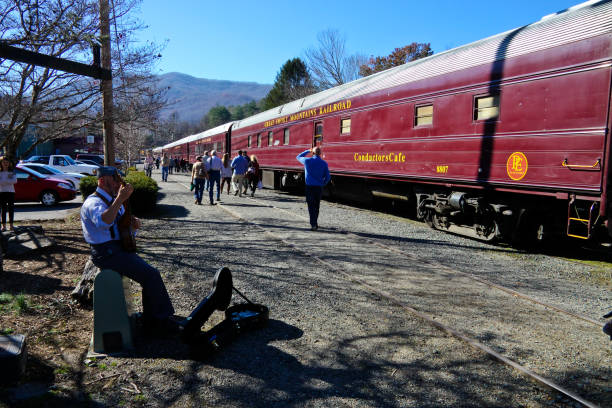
(516, 166)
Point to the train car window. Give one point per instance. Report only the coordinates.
(318, 136)
(345, 126)
(259, 140)
(486, 107)
(270, 139)
(249, 141)
(286, 137)
(423, 115)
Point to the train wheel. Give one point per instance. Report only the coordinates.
(487, 232)
(424, 214)
(283, 182)
(534, 231)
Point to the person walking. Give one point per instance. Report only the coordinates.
(165, 163)
(205, 161)
(226, 173)
(253, 174)
(8, 179)
(317, 176)
(198, 177)
(214, 175)
(246, 178)
(149, 162)
(240, 165)
(170, 164)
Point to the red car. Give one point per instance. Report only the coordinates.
(33, 186)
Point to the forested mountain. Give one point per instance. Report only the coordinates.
(193, 97)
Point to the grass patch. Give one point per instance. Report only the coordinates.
(61, 370)
(18, 304)
(139, 398)
(6, 332)
(21, 303)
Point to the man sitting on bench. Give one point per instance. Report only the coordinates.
(100, 215)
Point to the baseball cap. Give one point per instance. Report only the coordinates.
(107, 171)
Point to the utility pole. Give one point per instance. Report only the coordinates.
(106, 86)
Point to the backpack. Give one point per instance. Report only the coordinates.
(201, 171)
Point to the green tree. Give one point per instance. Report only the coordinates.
(252, 108)
(399, 56)
(292, 82)
(237, 112)
(216, 116)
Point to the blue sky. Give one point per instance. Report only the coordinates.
(250, 40)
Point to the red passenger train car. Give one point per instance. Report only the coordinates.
(196, 145)
(505, 138)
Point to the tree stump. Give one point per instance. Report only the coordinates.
(83, 292)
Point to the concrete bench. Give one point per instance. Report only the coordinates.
(112, 331)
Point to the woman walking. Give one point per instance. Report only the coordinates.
(253, 175)
(226, 173)
(8, 179)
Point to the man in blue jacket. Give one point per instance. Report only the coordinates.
(317, 176)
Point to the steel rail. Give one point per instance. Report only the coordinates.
(447, 329)
(453, 270)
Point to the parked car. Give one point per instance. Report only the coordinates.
(34, 186)
(72, 178)
(63, 162)
(87, 161)
(96, 158)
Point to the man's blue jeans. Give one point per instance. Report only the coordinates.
(156, 303)
(165, 173)
(214, 176)
(313, 199)
(198, 191)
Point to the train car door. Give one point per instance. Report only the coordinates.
(228, 141)
(317, 139)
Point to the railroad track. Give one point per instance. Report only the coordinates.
(473, 342)
(449, 269)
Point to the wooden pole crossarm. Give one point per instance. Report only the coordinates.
(35, 58)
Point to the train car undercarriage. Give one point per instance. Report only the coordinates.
(523, 220)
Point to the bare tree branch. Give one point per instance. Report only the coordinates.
(61, 103)
(329, 64)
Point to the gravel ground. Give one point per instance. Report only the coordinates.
(331, 341)
(580, 360)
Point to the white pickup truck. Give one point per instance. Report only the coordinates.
(64, 163)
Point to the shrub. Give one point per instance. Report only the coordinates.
(144, 197)
(88, 185)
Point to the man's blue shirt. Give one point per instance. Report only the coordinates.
(240, 165)
(316, 169)
(95, 230)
